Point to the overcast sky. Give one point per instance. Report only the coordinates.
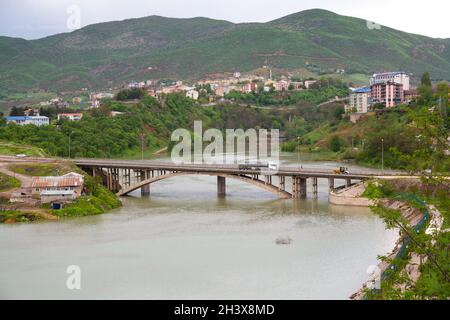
(32, 19)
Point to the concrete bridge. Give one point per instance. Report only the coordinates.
(124, 177)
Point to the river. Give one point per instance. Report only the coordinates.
(185, 243)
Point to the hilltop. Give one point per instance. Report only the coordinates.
(155, 47)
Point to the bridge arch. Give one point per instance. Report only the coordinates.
(258, 183)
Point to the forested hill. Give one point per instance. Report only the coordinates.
(155, 47)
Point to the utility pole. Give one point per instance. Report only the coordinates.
(142, 145)
(70, 144)
(382, 154)
(298, 153)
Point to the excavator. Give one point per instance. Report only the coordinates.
(342, 170)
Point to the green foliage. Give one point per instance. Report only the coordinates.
(11, 216)
(192, 48)
(39, 169)
(378, 190)
(8, 183)
(98, 201)
(131, 94)
(336, 144)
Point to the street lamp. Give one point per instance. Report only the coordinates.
(298, 153)
(382, 154)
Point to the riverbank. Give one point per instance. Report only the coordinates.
(94, 200)
(417, 268)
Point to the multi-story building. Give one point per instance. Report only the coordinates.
(388, 93)
(24, 120)
(360, 100)
(249, 87)
(394, 77)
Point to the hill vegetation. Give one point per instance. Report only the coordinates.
(106, 54)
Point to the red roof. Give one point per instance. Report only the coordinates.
(70, 180)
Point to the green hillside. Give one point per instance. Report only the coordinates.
(107, 54)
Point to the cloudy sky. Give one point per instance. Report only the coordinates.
(32, 19)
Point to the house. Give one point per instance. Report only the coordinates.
(249, 87)
(360, 100)
(28, 112)
(116, 113)
(391, 77)
(193, 94)
(389, 94)
(76, 100)
(309, 83)
(281, 85)
(70, 116)
(69, 182)
(24, 120)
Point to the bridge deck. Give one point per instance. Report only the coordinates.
(234, 169)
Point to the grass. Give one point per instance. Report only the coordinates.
(12, 149)
(41, 169)
(12, 216)
(8, 183)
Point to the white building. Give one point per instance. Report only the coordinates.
(70, 116)
(193, 94)
(392, 77)
(360, 100)
(23, 120)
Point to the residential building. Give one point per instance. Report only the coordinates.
(249, 87)
(390, 94)
(69, 182)
(360, 100)
(193, 94)
(24, 120)
(28, 112)
(309, 83)
(392, 77)
(70, 116)
(281, 85)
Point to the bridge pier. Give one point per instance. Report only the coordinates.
(299, 188)
(315, 188)
(145, 190)
(221, 187)
(331, 183)
(348, 183)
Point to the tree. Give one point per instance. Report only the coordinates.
(16, 112)
(336, 144)
(443, 92)
(425, 90)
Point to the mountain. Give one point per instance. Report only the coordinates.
(105, 54)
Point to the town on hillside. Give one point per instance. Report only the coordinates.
(383, 91)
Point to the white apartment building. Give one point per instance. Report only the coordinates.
(393, 77)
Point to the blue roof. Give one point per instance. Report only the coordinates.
(362, 90)
(23, 118)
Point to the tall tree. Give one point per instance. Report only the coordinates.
(443, 92)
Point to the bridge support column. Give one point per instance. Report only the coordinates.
(303, 188)
(282, 186)
(331, 183)
(348, 183)
(315, 188)
(221, 187)
(299, 188)
(145, 190)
